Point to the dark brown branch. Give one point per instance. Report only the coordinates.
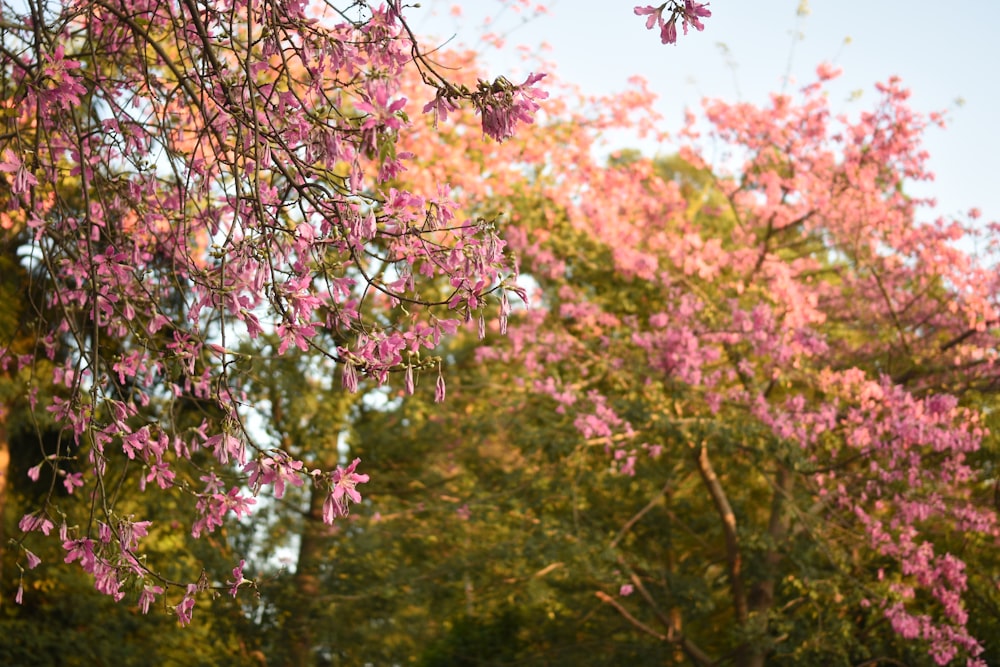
(957, 340)
(673, 625)
(638, 515)
(734, 558)
(690, 649)
(762, 592)
(607, 599)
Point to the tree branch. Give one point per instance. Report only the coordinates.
(762, 592)
(689, 648)
(673, 626)
(607, 599)
(638, 515)
(733, 557)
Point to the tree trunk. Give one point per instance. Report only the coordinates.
(313, 546)
(4, 474)
(762, 592)
(676, 619)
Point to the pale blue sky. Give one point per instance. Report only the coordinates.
(942, 51)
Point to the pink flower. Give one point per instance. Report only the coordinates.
(73, 481)
(33, 560)
(23, 179)
(161, 474)
(226, 445)
(626, 590)
(238, 580)
(30, 522)
(668, 31)
(504, 312)
(343, 490)
(350, 377)
(278, 470)
(690, 13)
(148, 596)
(409, 380)
(693, 12)
(81, 550)
(235, 501)
(252, 323)
(186, 607)
(826, 71)
(441, 106)
(439, 389)
(653, 13)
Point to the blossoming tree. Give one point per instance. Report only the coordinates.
(179, 177)
(815, 362)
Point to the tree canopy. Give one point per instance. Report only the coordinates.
(677, 408)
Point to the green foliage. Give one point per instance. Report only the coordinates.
(63, 620)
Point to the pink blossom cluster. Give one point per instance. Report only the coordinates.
(689, 12)
(502, 105)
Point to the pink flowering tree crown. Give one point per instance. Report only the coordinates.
(187, 191)
(809, 361)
